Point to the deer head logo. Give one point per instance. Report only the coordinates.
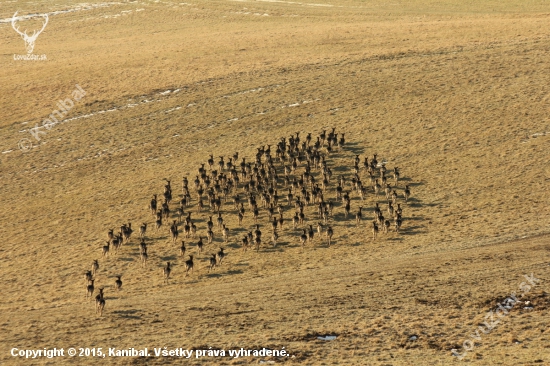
(29, 40)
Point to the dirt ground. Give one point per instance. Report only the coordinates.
(456, 94)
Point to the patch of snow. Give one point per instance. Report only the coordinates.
(327, 338)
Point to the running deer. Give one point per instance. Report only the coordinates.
(105, 249)
(397, 224)
(166, 272)
(274, 238)
(258, 242)
(407, 193)
(143, 256)
(386, 226)
(225, 233)
(374, 230)
(220, 256)
(90, 289)
(99, 303)
(319, 229)
(142, 230)
(310, 234)
(295, 220)
(245, 243)
(189, 265)
(329, 234)
(89, 276)
(95, 266)
(174, 232)
(153, 205)
(347, 208)
(200, 245)
(358, 216)
(303, 237)
(118, 283)
(212, 262)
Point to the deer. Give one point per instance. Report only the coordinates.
(245, 243)
(118, 283)
(397, 223)
(153, 205)
(358, 215)
(158, 222)
(127, 232)
(182, 248)
(407, 193)
(303, 237)
(174, 231)
(166, 272)
(310, 234)
(386, 226)
(329, 234)
(142, 230)
(142, 246)
(105, 249)
(200, 245)
(219, 221)
(258, 242)
(319, 229)
(212, 262)
(295, 220)
(347, 208)
(189, 265)
(99, 302)
(89, 276)
(374, 230)
(95, 266)
(117, 242)
(220, 255)
(90, 289)
(110, 234)
(143, 256)
(274, 238)
(225, 233)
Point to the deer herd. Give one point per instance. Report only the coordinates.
(288, 189)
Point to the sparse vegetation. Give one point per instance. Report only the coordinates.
(453, 96)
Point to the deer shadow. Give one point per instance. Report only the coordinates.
(415, 184)
(234, 272)
(273, 249)
(395, 239)
(126, 259)
(168, 258)
(415, 218)
(354, 147)
(127, 314)
(231, 245)
(413, 230)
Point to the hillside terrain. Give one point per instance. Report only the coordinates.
(454, 94)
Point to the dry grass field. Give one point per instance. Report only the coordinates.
(454, 93)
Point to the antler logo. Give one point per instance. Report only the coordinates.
(29, 40)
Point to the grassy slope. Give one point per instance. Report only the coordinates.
(451, 94)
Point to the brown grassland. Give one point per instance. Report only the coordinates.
(455, 93)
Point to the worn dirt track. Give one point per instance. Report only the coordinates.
(456, 95)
